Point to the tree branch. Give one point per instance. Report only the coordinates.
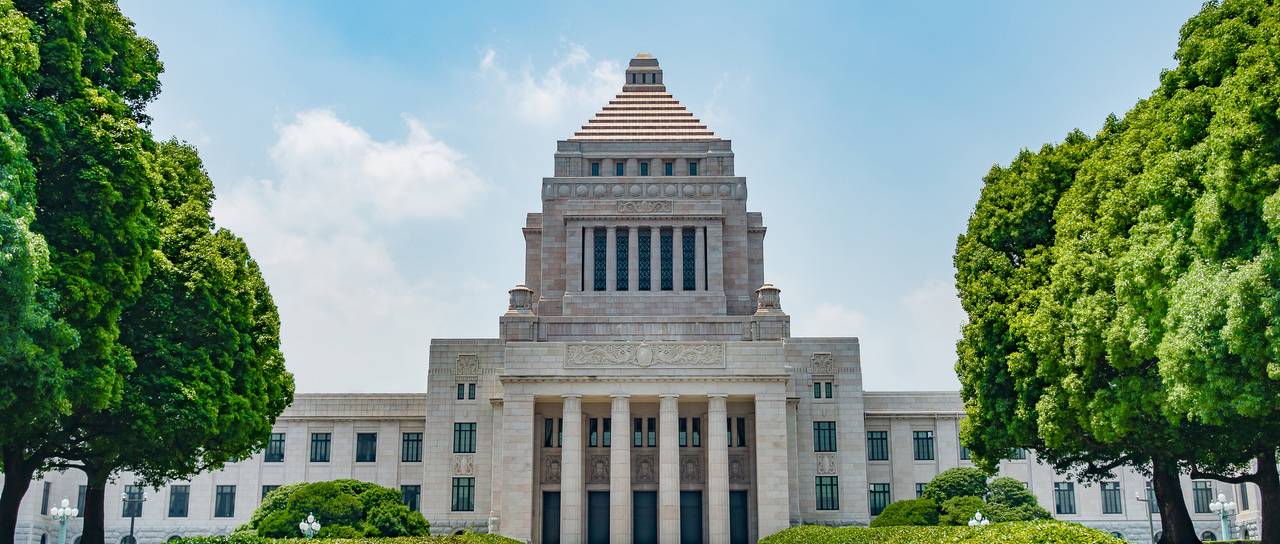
(1239, 479)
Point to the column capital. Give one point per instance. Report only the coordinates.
(717, 395)
(620, 396)
(668, 396)
(568, 396)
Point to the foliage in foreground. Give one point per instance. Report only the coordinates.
(909, 512)
(240, 538)
(1029, 532)
(344, 508)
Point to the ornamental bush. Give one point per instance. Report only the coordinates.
(348, 509)
(957, 482)
(909, 512)
(959, 510)
(1027, 532)
(1009, 500)
(468, 538)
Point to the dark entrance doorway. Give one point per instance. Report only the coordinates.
(550, 517)
(644, 517)
(690, 517)
(598, 517)
(738, 516)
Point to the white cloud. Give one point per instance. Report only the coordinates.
(350, 316)
(834, 320)
(573, 86)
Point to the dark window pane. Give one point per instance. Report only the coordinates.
(619, 168)
(179, 497)
(688, 240)
(595, 168)
(697, 432)
(824, 436)
(668, 168)
(366, 447)
(267, 489)
(464, 494)
(548, 433)
(275, 449)
(622, 251)
(693, 168)
(828, 493)
(411, 494)
(1111, 498)
(224, 505)
(877, 445)
(828, 386)
(637, 433)
(644, 168)
(923, 445)
(878, 496)
(608, 430)
(593, 433)
(644, 256)
(653, 432)
(471, 391)
(132, 507)
(683, 433)
(1202, 493)
(920, 490)
(1243, 496)
(411, 447)
(464, 438)
(817, 390)
(80, 493)
(462, 391)
(599, 239)
(664, 255)
(742, 432)
(1064, 498)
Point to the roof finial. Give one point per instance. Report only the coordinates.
(644, 74)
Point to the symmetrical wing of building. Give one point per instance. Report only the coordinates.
(644, 385)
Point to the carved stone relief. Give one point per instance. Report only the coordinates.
(468, 365)
(464, 465)
(599, 469)
(690, 469)
(739, 470)
(823, 363)
(646, 470)
(551, 469)
(827, 464)
(644, 355)
(644, 206)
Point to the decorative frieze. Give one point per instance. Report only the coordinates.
(823, 364)
(598, 469)
(644, 469)
(565, 190)
(739, 470)
(468, 365)
(690, 469)
(551, 469)
(464, 465)
(827, 464)
(645, 206)
(644, 355)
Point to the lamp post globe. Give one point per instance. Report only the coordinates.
(309, 527)
(1224, 509)
(63, 513)
(978, 521)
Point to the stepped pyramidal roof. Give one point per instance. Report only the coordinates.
(644, 111)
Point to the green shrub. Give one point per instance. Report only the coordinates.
(469, 538)
(957, 482)
(959, 510)
(1030, 532)
(344, 508)
(910, 512)
(1009, 500)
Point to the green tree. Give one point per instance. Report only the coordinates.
(1120, 289)
(209, 377)
(956, 482)
(1010, 500)
(344, 508)
(908, 512)
(959, 510)
(75, 79)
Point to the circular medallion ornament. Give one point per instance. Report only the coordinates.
(644, 355)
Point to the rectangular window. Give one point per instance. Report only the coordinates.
(668, 168)
(366, 447)
(920, 490)
(1202, 493)
(411, 495)
(622, 249)
(728, 424)
(464, 438)
(644, 255)
(559, 432)
(653, 432)
(697, 432)
(742, 432)
(548, 432)
(923, 445)
(1018, 454)
(471, 391)
(693, 168)
(593, 433)
(688, 241)
(44, 498)
(1152, 506)
(267, 489)
(817, 390)
(1064, 498)
(1112, 502)
(964, 452)
(224, 502)
(411, 447)
(464, 491)
(1242, 496)
(599, 239)
(828, 388)
(132, 501)
(595, 168)
(684, 433)
(462, 391)
(275, 449)
(619, 168)
(828, 493)
(608, 440)
(824, 436)
(878, 497)
(637, 433)
(877, 445)
(644, 168)
(179, 498)
(80, 494)
(664, 254)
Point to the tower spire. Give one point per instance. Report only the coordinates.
(644, 74)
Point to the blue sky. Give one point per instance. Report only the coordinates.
(379, 158)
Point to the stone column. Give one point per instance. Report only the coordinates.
(611, 259)
(677, 259)
(717, 470)
(793, 455)
(495, 487)
(699, 247)
(633, 259)
(668, 469)
(571, 472)
(655, 258)
(573, 258)
(620, 472)
(772, 500)
(588, 259)
(715, 257)
(516, 519)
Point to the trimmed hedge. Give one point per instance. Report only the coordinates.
(469, 538)
(1017, 532)
(909, 512)
(345, 509)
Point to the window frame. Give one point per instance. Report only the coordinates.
(877, 444)
(824, 437)
(922, 446)
(595, 168)
(826, 490)
(323, 441)
(1064, 498)
(619, 168)
(464, 437)
(411, 447)
(416, 489)
(224, 496)
(1112, 498)
(366, 447)
(132, 506)
(186, 500)
(463, 495)
(275, 449)
(879, 496)
(1202, 495)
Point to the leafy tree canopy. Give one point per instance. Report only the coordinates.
(344, 508)
(956, 482)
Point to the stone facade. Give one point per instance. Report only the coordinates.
(642, 324)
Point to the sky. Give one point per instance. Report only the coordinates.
(379, 157)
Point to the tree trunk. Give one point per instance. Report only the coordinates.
(94, 506)
(17, 478)
(1269, 486)
(1175, 522)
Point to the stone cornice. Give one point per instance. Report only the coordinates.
(592, 378)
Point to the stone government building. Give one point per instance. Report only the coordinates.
(644, 386)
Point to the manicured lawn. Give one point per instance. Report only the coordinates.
(1018, 532)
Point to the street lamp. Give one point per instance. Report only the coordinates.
(978, 521)
(129, 501)
(63, 514)
(1224, 510)
(309, 526)
(1150, 524)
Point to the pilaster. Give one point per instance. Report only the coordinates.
(571, 472)
(517, 471)
(772, 501)
(668, 469)
(717, 470)
(620, 472)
